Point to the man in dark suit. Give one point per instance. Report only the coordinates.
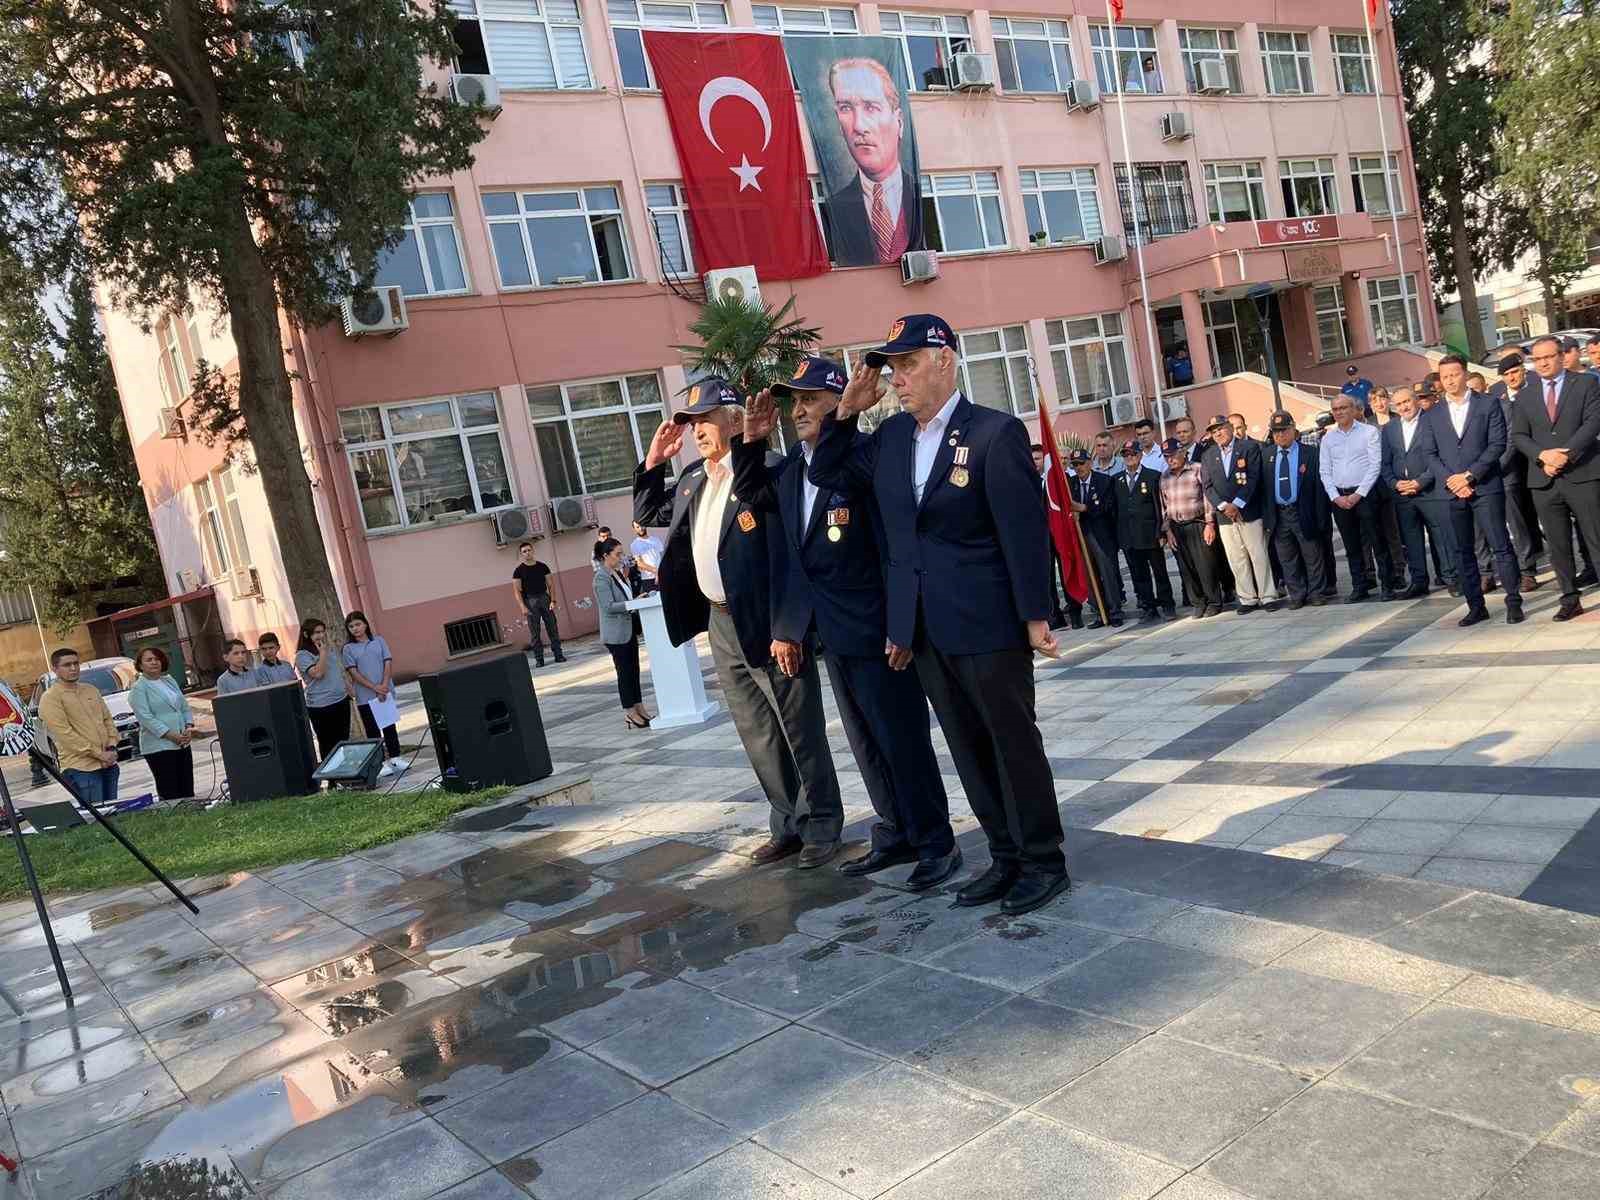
(1554, 425)
(967, 593)
(834, 593)
(1418, 496)
(1094, 499)
(720, 573)
(1232, 467)
(1461, 438)
(876, 217)
(1296, 511)
(1139, 534)
(1522, 521)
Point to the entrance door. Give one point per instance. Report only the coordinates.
(1223, 338)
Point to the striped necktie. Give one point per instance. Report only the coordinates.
(882, 224)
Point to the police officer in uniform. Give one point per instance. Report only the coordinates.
(834, 592)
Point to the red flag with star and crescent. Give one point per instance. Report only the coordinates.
(1058, 510)
(730, 103)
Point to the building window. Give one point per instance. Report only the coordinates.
(1352, 63)
(542, 239)
(804, 22)
(1165, 205)
(628, 19)
(996, 371)
(1333, 328)
(1090, 358)
(1063, 207)
(428, 259)
(1135, 65)
(1223, 338)
(212, 530)
(1033, 56)
(669, 216)
(536, 44)
(1377, 191)
(929, 43)
(233, 517)
(819, 205)
(592, 434)
(1309, 187)
(1235, 191)
(176, 356)
(1286, 59)
(962, 212)
(416, 463)
(1392, 305)
(1216, 45)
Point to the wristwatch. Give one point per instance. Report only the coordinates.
(1471, 478)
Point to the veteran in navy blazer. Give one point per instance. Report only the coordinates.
(722, 573)
(968, 588)
(1094, 499)
(834, 593)
(1462, 439)
(1232, 469)
(1419, 497)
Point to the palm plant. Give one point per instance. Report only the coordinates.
(749, 345)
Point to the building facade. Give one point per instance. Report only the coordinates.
(546, 287)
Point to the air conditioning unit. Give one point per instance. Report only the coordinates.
(1175, 127)
(513, 525)
(378, 310)
(972, 72)
(919, 266)
(1109, 249)
(1210, 77)
(735, 283)
(188, 581)
(1173, 407)
(1124, 410)
(245, 581)
(1081, 96)
(171, 424)
(477, 89)
(574, 512)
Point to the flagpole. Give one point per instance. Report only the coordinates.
(1383, 141)
(1088, 565)
(1133, 205)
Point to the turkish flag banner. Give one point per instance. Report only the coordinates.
(731, 106)
(1063, 521)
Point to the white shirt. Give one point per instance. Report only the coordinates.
(1458, 412)
(808, 491)
(1350, 458)
(892, 194)
(647, 550)
(925, 448)
(705, 535)
(1408, 430)
(1155, 460)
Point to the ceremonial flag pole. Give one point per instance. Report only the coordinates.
(1369, 10)
(1113, 15)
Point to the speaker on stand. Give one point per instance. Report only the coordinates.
(266, 742)
(486, 724)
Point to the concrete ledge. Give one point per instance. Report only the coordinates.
(565, 788)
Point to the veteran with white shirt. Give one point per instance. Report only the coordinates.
(1351, 461)
(1418, 498)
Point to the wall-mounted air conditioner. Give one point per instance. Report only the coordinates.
(1175, 127)
(734, 283)
(378, 311)
(477, 89)
(171, 424)
(919, 266)
(1210, 77)
(972, 72)
(574, 512)
(513, 525)
(1109, 249)
(1081, 96)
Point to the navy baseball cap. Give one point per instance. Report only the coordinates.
(1508, 364)
(1079, 456)
(1569, 343)
(1173, 446)
(919, 331)
(1280, 420)
(1350, 370)
(706, 396)
(813, 373)
(1594, 340)
(1130, 447)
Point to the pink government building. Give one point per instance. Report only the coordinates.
(543, 290)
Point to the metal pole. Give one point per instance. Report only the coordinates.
(44, 648)
(1383, 142)
(1088, 565)
(33, 886)
(1262, 300)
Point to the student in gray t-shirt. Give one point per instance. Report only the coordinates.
(240, 676)
(327, 695)
(272, 669)
(370, 668)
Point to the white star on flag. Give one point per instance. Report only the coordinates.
(746, 173)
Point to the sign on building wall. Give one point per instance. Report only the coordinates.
(1297, 229)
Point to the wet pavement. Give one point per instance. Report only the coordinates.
(608, 1000)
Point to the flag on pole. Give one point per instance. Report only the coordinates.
(1372, 8)
(1063, 530)
(1116, 8)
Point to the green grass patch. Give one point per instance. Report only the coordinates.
(238, 837)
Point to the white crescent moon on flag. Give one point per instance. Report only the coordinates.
(731, 85)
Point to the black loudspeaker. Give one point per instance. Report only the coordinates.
(266, 742)
(486, 724)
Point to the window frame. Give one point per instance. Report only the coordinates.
(1190, 56)
(1319, 311)
(639, 23)
(1128, 203)
(819, 208)
(893, 24)
(1009, 356)
(1060, 342)
(523, 216)
(1255, 186)
(226, 490)
(1105, 62)
(1037, 188)
(176, 355)
(467, 10)
(1362, 55)
(678, 212)
(830, 13)
(1364, 167)
(1299, 53)
(389, 440)
(413, 229)
(932, 221)
(568, 418)
(213, 532)
(1003, 30)
(1327, 179)
(1406, 296)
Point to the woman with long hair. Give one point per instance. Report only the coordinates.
(370, 668)
(166, 724)
(327, 693)
(618, 629)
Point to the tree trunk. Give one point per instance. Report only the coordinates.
(1547, 284)
(1465, 269)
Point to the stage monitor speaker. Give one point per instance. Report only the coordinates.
(486, 724)
(266, 742)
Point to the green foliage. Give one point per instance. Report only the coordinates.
(753, 348)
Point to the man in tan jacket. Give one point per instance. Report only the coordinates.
(81, 727)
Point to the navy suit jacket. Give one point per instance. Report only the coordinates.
(1479, 449)
(1099, 496)
(1139, 510)
(1400, 463)
(1222, 484)
(835, 581)
(1575, 428)
(973, 555)
(752, 560)
(1310, 499)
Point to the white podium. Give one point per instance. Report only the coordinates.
(675, 670)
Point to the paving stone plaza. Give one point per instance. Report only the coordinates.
(1335, 933)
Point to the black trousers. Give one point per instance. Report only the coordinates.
(390, 735)
(1486, 512)
(1196, 564)
(1425, 517)
(985, 707)
(1389, 531)
(1330, 563)
(1299, 552)
(625, 657)
(1522, 523)
(1150, 582)
(1103, 552)
(540, 613)
(1563, 505)
(1358, 527)
(1057, 616)
(173, 771)
(331, 724)
(885, 719)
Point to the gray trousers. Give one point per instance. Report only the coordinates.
(781, 723)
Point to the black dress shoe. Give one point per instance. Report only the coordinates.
(1170, 613)
(773, 849)
(815, 855)
(878, 860)
(1034, 891)
(1357, 596)
(1075, 622)
(988, 887)
(1246, 608)
(1148, 615)
(1201, 613)
(1568, 610)
(931, 872)
(1095, 623)
(1455, 590)
(560, 657)
(1514, 614)
(1415, 592)
(1387, 594)
(1317, 601)
(1474, 616)
(1116, 621)
(1270, 606)
(1296, 605)
(1587, 578)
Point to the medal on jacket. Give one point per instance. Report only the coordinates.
(959, 476)
(1241, 464)
(837, 517)
(747, 521)
(961, 455)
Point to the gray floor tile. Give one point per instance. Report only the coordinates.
(223, 984)
(1145, 983)
(1218, 932)
(89, 1110)
(744, 1172)
(1024, 1049)
(1513, 1074)
(1173, 1100)
(1198, 1187)
(97, 1162)
(1030, 1158)
(1507, 843)
(906, 1010)
(1335, 1144)
(918, 930)
(1021, 952)
(676, 1038)
(1302, 1021)
(305, 1144)
(930, 1119)
(409, 1164)
(1494, 935)
(1546, 1173)
(538, 1105)
(1357, 903)
(1502, 878)
(771, 1078)
(806, 981)
(1402, 837)
(491, 1185)
(1575, 977)
(1111, 908)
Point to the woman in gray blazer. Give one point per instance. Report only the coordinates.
(166, 725)
(617, 630)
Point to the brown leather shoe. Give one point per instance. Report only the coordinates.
(815, 856)
(774, 849)
(1529, 583)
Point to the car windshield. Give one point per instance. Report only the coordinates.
(108, 680)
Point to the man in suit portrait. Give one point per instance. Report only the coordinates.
(1555, 423)
(1418, 497)
(875, 218)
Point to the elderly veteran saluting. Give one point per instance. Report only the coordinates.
(722, 564)
(968, 593)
